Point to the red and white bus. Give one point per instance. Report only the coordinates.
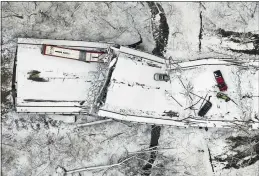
(82, 55)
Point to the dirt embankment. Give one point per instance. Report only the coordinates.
(160, 28)
(7, 80)
(241, 38)
(245, 149)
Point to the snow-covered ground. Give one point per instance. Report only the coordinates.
(35, 144)
(184, 28)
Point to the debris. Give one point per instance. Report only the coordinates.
(34, 75)
(173, 98)
(234, 102)
(203, 100)
(192, 106)
(210, 159)
(94, 123)
(171, 113)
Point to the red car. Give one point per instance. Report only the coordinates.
(220, 81)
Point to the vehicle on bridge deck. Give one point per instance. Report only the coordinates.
(220, 81)
(82, 55)
(161, 77)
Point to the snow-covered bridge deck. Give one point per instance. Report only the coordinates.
(134, 95)
(47, 84)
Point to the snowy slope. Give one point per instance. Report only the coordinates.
(184, 28)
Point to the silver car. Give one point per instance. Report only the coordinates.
(161, 77)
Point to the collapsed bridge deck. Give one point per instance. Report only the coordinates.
(134, 95)
(47, 84)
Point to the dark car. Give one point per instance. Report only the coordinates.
(161, 77)
(220, 81)
(205, 108)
